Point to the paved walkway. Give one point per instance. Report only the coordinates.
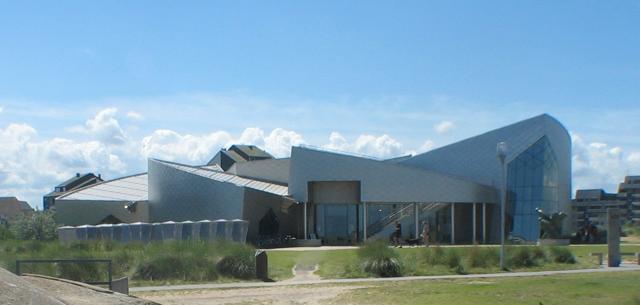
(623, 268)
(329, 248)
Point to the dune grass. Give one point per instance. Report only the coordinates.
(151, 264)
(344, 263)
(197, 262)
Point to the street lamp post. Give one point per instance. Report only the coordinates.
(501, 150)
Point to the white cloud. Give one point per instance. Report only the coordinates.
(195, 149)
(426, 146)
(104, 127)
(279, 142)
(1, 109)
(383, 146)
(598, 165)
(198, 149)
(29, 167)
(444, 127)
(135, 116)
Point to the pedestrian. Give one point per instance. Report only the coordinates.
(397, 234)
(425, 234)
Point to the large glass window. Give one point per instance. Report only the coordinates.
(532, 182)
(337, 224)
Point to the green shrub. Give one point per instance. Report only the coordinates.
(521, 257)
(434, 256)
(483, 257)
(37, 225)
(239, 262)
(562, 255)
(453, 258)
(81, 272)
(173, 266)
(539, 254)
(378, 259)
(5, 233)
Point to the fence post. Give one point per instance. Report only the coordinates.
(110, 277)
(17, 267)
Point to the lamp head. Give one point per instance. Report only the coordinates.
(501, 150)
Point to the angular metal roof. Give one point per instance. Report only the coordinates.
(130, 188)
(272, 188)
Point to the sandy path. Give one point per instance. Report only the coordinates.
(271, 295)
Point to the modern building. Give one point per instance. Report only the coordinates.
(225, 158)
(11, 207)
(590, 206)
(343, 198)
(76, 182)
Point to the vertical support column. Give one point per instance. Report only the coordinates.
(365, 215)
(484, 223)
(474, 223)
(415, 218)
(453, 223)
(305, 220)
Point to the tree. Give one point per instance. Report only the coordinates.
(39, 225)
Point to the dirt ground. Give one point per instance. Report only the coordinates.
(289, 295)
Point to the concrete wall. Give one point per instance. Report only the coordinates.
(275, 170)
(80, 212)
(178, 196)
(335, 192)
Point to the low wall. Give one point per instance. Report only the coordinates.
(221, 229)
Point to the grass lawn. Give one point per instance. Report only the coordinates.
(618, 288)
(344, 263)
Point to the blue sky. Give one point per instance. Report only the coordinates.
(101, 86)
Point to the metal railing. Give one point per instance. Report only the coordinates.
(71, 261)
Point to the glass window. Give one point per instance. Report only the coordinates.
(532, 183)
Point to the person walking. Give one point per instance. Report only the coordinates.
(425, 234)
(397, 234)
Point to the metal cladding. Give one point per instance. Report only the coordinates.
(221, 229)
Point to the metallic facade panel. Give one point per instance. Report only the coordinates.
(475, 158)
(131, 188)
(275, 189)
(381, 181)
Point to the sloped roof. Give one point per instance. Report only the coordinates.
(251, 151)
(130, 188)
(11, 206)
(234, 155)
(475, 158)
(272, 188)
(77, 180)
(214, 167)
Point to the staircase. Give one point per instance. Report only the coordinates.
(386, 224)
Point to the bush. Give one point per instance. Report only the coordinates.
(35, 226)
(539, 254)
(521, 257)
(453, 258)
(378, 259)
(562, 255)
(81, 272)
(434, 256)
(5, 233)
(238, 262)
(483, 257)
(174, 266)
